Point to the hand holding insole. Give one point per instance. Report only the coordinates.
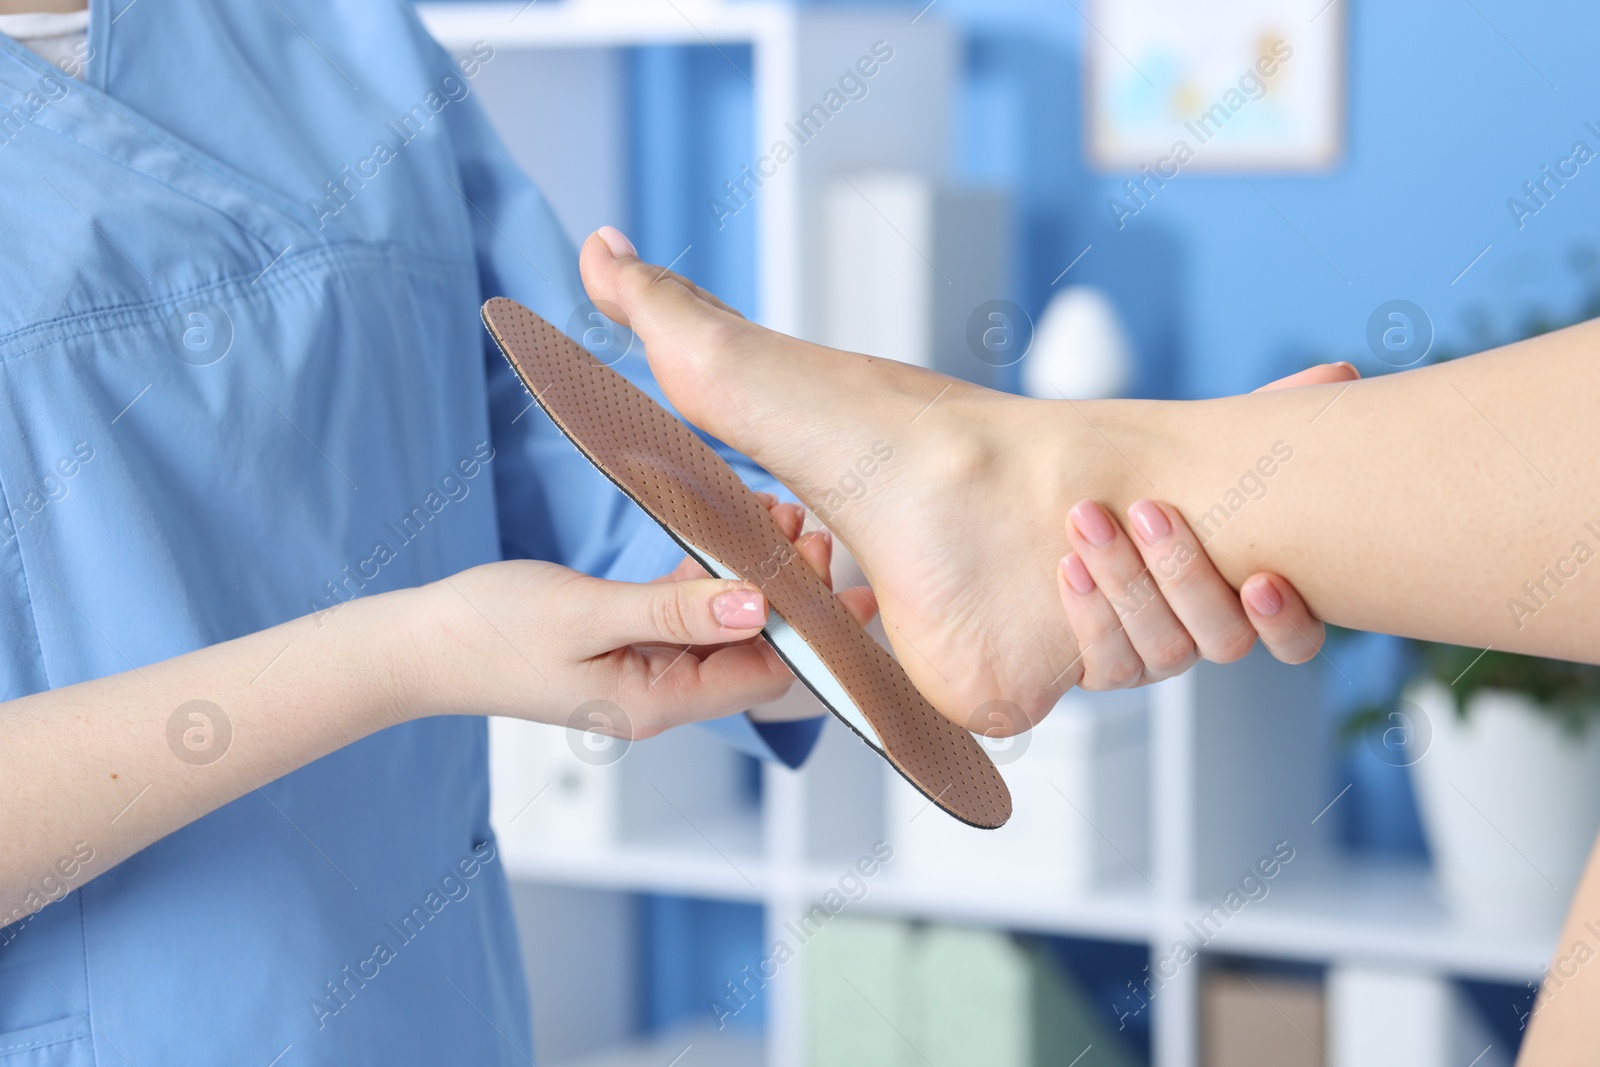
(701, 502)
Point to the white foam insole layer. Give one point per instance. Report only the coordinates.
(804, 661)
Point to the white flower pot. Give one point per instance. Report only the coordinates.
(1510, 803)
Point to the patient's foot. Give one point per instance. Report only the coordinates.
(946, 493)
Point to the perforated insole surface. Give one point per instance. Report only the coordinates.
(685, 486)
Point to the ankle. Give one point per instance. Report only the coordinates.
(1086, 449)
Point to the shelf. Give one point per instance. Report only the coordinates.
(638, 869)
(1357, 913)
(620, 24)
(702, 1047)
(718, 859)
(1123, 913)
(1379, 913)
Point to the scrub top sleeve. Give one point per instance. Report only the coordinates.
(787, 742)
(553, 504)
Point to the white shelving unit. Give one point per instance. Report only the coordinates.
(1322, 908)
(1219, 726)
(1235, 758)
(798, 54)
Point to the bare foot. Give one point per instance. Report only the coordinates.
(948, 495)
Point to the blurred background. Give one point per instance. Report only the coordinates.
(1360, 861)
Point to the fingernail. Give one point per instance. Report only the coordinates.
(1150, 522)
(1078, 575)
(1262, 596)
(1346, 365)
(815, 537)
(740, 609)
(1092, 525)
(617, 241)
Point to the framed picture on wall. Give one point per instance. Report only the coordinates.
(1238, 85)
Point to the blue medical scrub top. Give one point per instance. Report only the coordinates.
(242, 378)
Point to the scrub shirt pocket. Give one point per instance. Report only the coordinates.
(58, 1044)
(43, 991)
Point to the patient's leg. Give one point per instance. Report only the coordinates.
(1458, 502)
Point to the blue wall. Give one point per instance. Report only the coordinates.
(691, 121)
(1446, 118)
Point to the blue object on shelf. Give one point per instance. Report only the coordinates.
(692, 950)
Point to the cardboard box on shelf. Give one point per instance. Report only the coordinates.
(1261, 1020)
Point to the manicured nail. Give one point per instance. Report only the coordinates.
(1092, 524)
(1078, 575)
(740, 609)
(1263, 596)
(1347, 366)
(617, 241)
(1150, 522)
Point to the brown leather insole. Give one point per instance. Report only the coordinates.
(697, 498)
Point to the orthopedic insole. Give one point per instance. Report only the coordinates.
(698, 499)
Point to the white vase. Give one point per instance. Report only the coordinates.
(1510, 803)
(1080, 349)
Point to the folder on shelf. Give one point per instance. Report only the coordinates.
(889, 994)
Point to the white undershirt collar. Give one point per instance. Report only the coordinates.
(57, 36)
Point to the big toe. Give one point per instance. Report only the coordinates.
(807, 413)
(689, 335)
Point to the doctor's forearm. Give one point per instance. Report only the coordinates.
(91, 773)
(1458, 502)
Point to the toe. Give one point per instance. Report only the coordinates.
(701, 353)
(661, 307)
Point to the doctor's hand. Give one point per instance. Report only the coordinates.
(816, 548)
(537, 641)
(1146, 602)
